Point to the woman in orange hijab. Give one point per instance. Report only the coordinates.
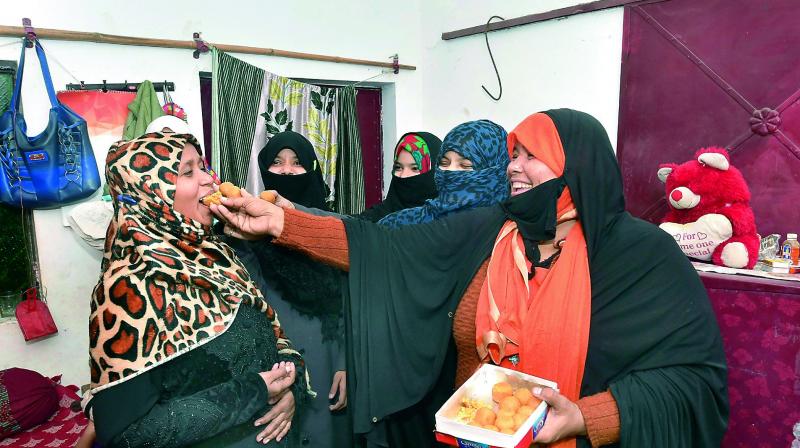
(534, 311)
(558, 281)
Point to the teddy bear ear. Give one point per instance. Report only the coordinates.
(663, 172)
(714, 160)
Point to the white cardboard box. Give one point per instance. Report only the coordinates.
(479, 386)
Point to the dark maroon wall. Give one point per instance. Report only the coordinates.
(693, 75)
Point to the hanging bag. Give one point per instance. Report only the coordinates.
(170, 107)
(50, 169)
(34, 317)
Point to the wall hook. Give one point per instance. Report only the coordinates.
(499, 82)
(200, 45)
(30, 33)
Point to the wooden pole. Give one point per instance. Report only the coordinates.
(583, 8)
(100, 38)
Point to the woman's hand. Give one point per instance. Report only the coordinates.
(279, 379)
(339, 385)
(278, 420)
(87, 438)
(281, 201)
(564, 418)
(249, 217)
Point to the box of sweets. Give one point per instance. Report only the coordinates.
(493, 409)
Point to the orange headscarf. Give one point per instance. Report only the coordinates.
(543, 320)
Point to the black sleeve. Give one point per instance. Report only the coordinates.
(672, 406)
(404, 283)
(317, 211)
(654, 340)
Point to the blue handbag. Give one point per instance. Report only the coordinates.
(50, 169)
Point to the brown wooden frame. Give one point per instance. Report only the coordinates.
(583, 8)
(81, 36)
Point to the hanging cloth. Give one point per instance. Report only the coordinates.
(143, 109)
(349, 199)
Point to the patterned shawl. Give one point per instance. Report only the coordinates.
(167, 284)
(408, 192)
(484, 143)
(415, 145)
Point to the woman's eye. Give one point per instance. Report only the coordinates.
(296, 163)
(397, 168)
(276, 162)
(415, 168)
(444, 162)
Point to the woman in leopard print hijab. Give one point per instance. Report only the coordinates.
(174, 302)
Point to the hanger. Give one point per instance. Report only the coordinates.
(486, 36)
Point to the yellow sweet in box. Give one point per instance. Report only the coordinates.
(525, 411)
(501, 390)
(469, 408)
(485, 416)
(524, 395)
(512, 409)
(504, 422)
(519, 419)
(505, 413)
(510, 403)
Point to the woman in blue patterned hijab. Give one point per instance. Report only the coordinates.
(481, 142)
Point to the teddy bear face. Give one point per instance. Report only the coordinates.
(707, 180)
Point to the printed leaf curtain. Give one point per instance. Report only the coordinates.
(250, 105)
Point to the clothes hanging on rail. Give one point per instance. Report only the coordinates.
(144, 109)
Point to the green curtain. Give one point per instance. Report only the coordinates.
(349, 198)
(236, 92)
(14, 263)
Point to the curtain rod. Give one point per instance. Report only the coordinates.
(121, 86)
(100, 38)
(541, 17)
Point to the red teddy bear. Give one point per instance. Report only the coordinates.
(710, 215)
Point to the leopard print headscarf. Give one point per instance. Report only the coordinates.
(167, 284)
